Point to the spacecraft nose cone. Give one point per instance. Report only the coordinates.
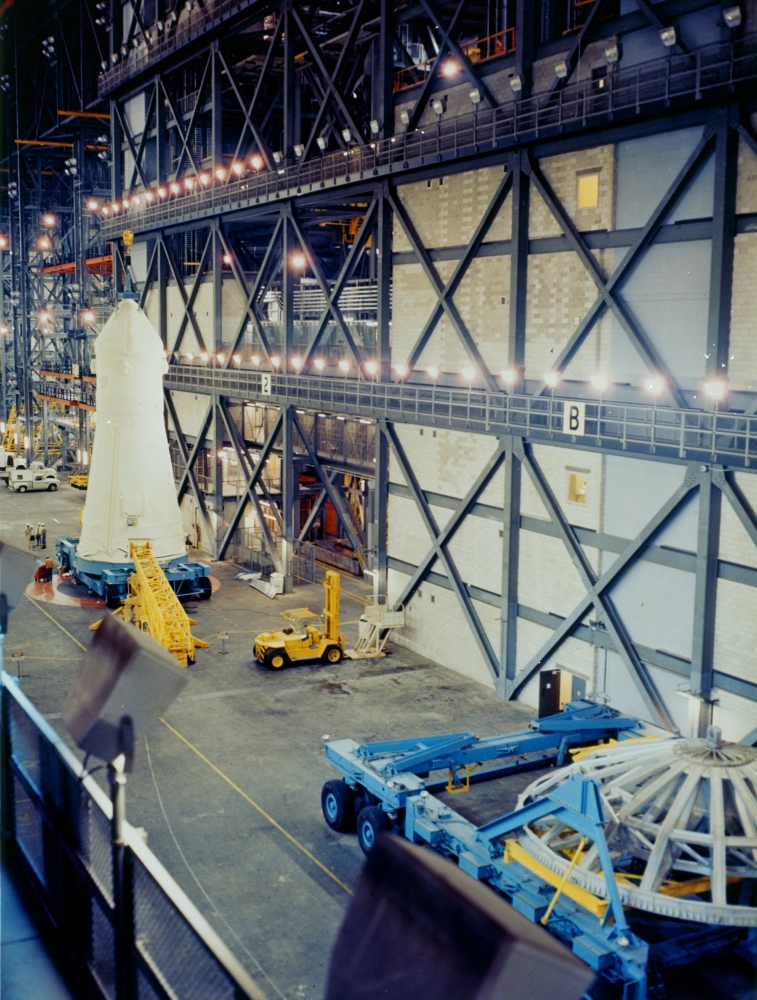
(131, 492)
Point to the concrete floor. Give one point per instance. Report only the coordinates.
(229, 790)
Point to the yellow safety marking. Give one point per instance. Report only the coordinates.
(39, 608)
(582, 752)
(594, 904)
(260, 809)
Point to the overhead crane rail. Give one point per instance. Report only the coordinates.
(153, 607)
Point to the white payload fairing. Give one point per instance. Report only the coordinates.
(131, 493)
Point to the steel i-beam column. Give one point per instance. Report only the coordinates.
(510, 563)
(287, 289)
(384, 282)
(516, 350)
(288, 472)
(525, 12)
(289, 84)
(380, 516)
(216, 123)
(217, 251)
(723, 235)
(705, 596)
(383, 94)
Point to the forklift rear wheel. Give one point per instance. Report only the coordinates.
(370, 823)
(205, 588)
(338, 804)
(332, 654)
(275, 659)
(112, 597)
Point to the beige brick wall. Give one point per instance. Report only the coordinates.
(736, 631)
(735, 544)
(743, 344)
(746, 185)
(736, 716)
(232, 308)
(562, 173)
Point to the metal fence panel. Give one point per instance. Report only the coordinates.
(59, 821)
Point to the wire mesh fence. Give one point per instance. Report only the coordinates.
(126, 925)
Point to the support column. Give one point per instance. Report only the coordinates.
(383, 103)
(510, 564)
(384, 280)
(705, 596)
(287, 288)
(525, 12)
(217, 466)
(723, 234)
(217, 251)
(516, 348)
(216, 126)
(289, 86)
(162, 292)
(288, 471)
(380, 517)
(161, 135)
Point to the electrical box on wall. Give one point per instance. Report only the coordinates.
(556, 689)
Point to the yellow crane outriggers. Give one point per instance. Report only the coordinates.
(303, 638)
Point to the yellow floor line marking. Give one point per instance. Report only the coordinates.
(55, 622)
(260, 809)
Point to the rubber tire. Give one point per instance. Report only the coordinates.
(370, 823)
(112, 596)
(338, 805)
(332, 655)
(52, 488)
(206, 588)
(274, 654)
(21, 489)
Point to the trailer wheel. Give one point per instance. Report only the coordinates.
(276, 659)
(332, 654)
(370, 823)
(205, 588)
(338, 804)
(112, 596)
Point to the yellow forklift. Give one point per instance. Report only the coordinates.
(303, 638)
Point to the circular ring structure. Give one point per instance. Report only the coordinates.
(682, 827)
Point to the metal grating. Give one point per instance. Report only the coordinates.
(28, 829)
(167, 943)
(101, 959)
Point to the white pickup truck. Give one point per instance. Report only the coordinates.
(26, 480)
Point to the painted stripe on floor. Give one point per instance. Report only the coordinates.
(55, 622)
(260, 809)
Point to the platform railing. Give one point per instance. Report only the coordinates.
(154, 945)
(676, 81)
(711, 436)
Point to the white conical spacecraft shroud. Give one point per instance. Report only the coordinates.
(131, 492)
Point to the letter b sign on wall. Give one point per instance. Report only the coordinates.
(574, 418)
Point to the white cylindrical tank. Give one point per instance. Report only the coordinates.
(131, 492)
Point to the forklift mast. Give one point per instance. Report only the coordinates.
(331, 611)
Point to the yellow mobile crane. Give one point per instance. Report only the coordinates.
(303, 639)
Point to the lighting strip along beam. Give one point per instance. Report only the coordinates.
(713, 72)
(596, 637)
(633, 429)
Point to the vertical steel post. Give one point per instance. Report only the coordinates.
(217, 251)
(216, 105)
(510, 565)
(288, 472)
(383, 95)
(287, 139)
(380, 514)
(525, 14)
(723, 236)
(122, 886)
(705, 596)
(287, 288)
(161, 266)
(217, 466)
(516, 348)
(383, 238)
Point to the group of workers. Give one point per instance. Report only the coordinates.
(36, 538)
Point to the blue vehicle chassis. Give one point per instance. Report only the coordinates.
(397, 777)
(110, 580)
